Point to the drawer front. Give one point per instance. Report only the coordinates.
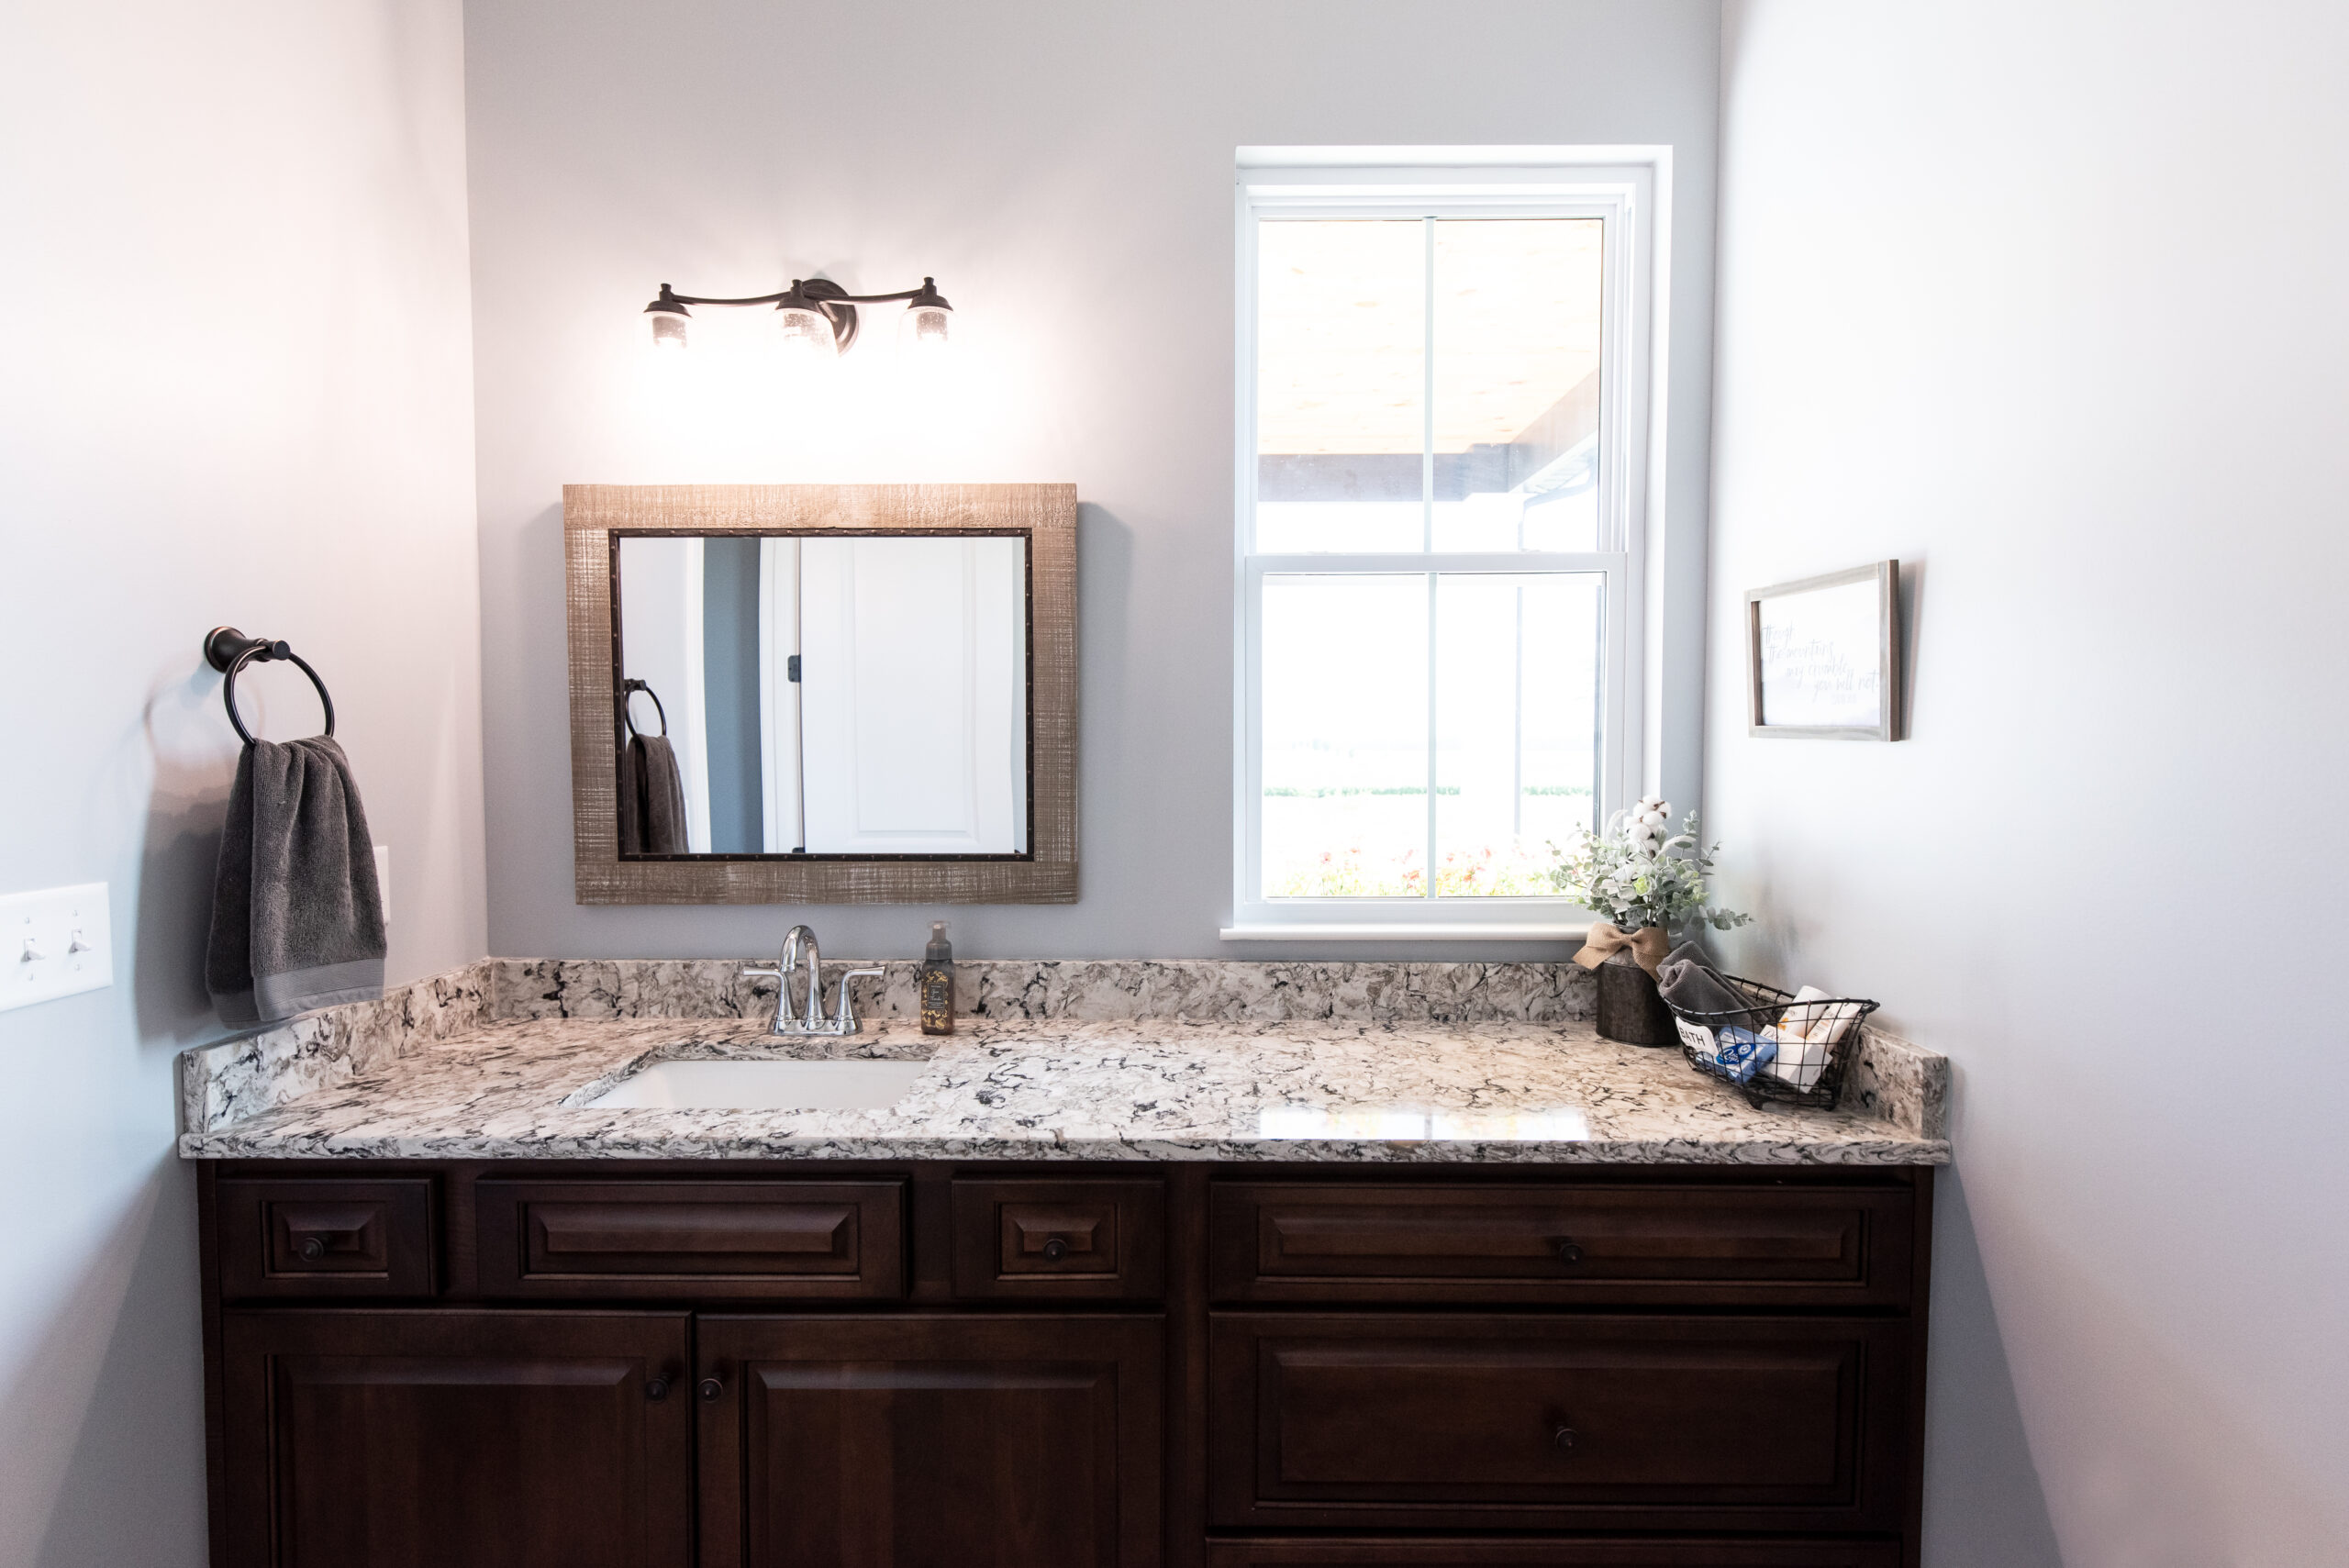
(764, 1239)
(1471, 1553)
(1024, 1239)
(1596, 1245)
(1493, 1421)
(370, 1237)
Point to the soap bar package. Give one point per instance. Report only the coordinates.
(1743, 1053)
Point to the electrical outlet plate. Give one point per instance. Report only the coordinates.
(54, 944)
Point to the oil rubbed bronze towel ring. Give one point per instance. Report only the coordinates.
(628, 688)
(228, 651)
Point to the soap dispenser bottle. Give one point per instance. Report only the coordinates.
(936, 985)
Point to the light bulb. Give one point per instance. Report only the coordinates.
(669, 317)
(926, 326)
(807, 333)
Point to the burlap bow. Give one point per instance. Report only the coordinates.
(1649, 945)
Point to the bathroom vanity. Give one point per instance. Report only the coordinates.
(1195, 1265)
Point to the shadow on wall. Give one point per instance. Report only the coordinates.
(1983, 1504)
(193, 753)
(1105, 565)
(102, 1435)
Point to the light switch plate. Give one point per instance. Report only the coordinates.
(55, 943)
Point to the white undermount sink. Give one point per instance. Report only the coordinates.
(765, 1086)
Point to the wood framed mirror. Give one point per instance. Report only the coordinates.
(822, 694)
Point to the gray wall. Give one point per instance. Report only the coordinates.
(2046, 300)
(235, 388)
(1065, 171)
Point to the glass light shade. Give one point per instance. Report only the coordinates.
(807, 334)
(925, 326)
(668, 328)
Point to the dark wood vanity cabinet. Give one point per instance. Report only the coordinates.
(861, 1365)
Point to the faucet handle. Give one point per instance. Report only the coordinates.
(848, 1013)
(763, 973)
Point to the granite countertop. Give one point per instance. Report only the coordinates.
(456, 1080)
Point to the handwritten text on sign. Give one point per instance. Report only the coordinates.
(1822, 658)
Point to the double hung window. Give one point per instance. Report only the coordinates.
(1443, 451)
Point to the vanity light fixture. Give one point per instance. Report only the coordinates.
(814, 313)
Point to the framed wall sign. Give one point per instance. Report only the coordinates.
(1824, 656)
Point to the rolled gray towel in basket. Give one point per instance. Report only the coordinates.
(1689, 983)
(298, 920)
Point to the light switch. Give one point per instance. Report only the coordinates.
(55, 943)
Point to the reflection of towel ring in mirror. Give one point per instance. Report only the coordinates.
(228, 651)
(627, 689)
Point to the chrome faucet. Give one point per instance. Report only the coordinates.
(799, 951)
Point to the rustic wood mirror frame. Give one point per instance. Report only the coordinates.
(592, 514)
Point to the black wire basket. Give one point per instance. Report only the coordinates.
(1796, 1082)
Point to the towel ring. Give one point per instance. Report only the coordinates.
(228, 651)
(630, 688)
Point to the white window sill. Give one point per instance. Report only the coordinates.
(1525, 931)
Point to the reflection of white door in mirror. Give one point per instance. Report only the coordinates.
(914, 694)
(785, 832)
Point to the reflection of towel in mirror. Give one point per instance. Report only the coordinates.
(651, 801)
(298, 920)
(1690, 983)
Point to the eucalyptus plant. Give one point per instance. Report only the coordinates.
(1634, 875)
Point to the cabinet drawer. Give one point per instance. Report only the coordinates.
(769, 1239)
(1472, 1553)
(1494, 1422)
(1059, 1239)
(1671, 1246)
(369, 1237)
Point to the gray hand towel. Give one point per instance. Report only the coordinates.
(1688, 982)
(652, 799)
(298, 920)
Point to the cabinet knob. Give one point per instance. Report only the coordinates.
(311, 1248)
(1056, 1249)
(1567, 1251)
(1563, 1439)
(711, 1390)
(656, 1389)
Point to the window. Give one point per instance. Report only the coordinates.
(1444, 457)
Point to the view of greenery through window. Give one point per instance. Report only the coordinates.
(1380, 683)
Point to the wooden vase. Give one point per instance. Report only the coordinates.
(1631, 1010)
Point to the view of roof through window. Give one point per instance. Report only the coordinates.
(1427, 384)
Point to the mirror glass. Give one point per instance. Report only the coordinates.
(823, 694)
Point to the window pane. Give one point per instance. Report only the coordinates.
(1517, 342)
(1517, 750)
(1341, 385)
(1345, 739)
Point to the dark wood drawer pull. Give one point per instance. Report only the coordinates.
(712, 1390)
(311, 1248)
(1567, 1251)
(1563, 1439)
(1056, 1249)
(656, 1389)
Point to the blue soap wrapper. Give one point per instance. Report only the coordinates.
(1743, 1053)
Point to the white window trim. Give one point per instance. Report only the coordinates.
(1628, 188)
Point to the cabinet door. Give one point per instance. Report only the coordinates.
(929, 1441)
(456, 1439)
